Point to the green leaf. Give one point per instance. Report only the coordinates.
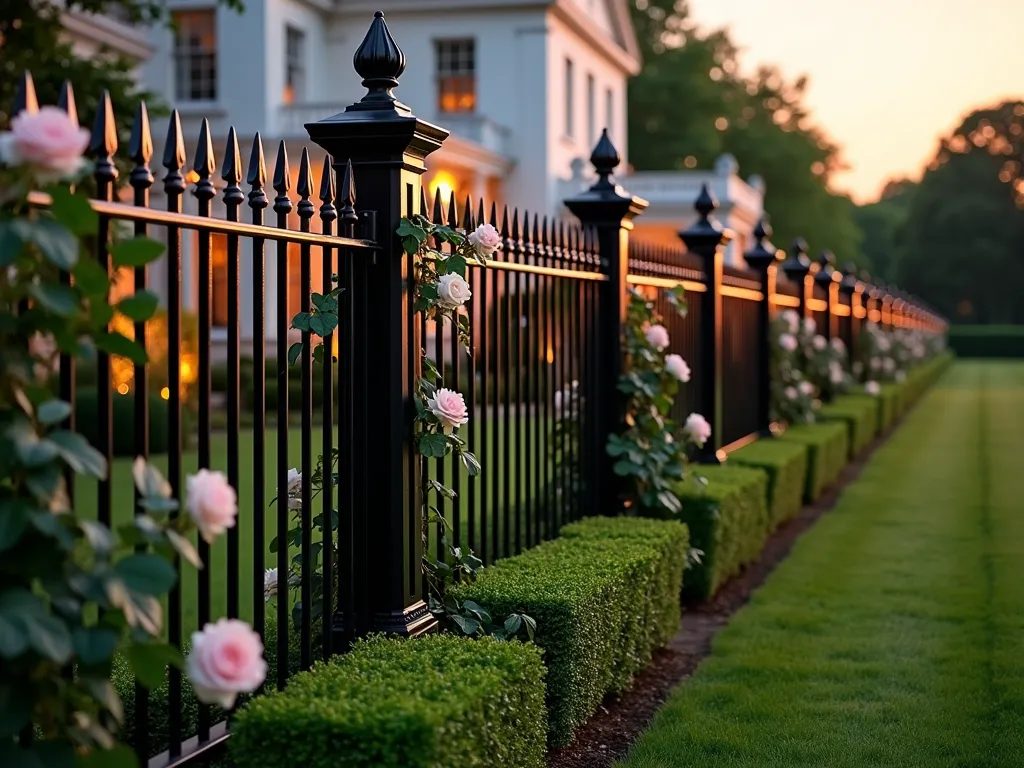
(15, 710)
(512, 624)
(467, 624)
(136, 252)
(13, 635)
(94, 645)
(455, 263)
(78, 454)
(14, 516)
(73, 211)
(531, 626)
(53, 412)
(471, 463)
(301, 321)
(185, 548)
(477, 610)
(139, 307)
(150, 661)
(293, 352)
(91, 279)
(146, 574)
(324, 324)
(44, 482)
(118, 344)
(433, 445)
(59, 299)
(49, 637)
(54, 526)
(148, 480)
(98, 536)
(11, 243)
(58, 244)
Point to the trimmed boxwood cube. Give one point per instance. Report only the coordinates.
(786, 465)
(860, 413)
(728, 521)
(432, 702)
(593, 598)
(827, 446)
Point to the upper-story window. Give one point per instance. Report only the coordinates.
(456, 75)
(294, 65)
(591, 109)
(195, 55)
(569, 99)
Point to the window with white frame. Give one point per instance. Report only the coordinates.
(456, 75)
(294, 65)
(195, 55)
(569, 98)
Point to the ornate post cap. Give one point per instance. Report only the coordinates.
(606, 201)
(826, 269)
(706, 233)
(378, 125)
(798, 265)
(851, 284)
(763, 254)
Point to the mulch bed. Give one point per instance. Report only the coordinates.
(610, 733)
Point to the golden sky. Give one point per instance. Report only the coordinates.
(887, 77)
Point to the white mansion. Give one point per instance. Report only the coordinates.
(524, 86)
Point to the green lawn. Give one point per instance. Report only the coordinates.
(894, 633)
(487, 515)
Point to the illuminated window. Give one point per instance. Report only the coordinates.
(294, 65)
(456, 75)
(195, 55)
(219, 267)
(569, 98)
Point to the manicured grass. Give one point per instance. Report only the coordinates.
(894, 633)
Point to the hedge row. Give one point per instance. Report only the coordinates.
(987, 340)
(601, 596)
(827, 451)
(726, 509)
(860, 414)
(786, 466)
(433, 702)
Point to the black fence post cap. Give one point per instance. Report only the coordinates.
(763, 253)
(606, 201)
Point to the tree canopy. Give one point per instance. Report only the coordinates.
(691, 104)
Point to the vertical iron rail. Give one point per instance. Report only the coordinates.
(329, 271)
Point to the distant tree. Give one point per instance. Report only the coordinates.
(881, 223)
(690, 105)
(962, 244)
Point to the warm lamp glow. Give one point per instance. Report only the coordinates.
(165, 393)
(442, 184)
(122, 389)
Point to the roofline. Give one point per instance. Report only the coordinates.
(126, 39)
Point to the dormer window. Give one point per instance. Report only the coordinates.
(456, 75)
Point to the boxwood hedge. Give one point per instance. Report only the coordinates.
(987, 340)
(827, 446)
(433, 702)
(599, 609)
(860, 414)
(728, 521)
(786, 465)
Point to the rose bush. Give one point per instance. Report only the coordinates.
(792, 396)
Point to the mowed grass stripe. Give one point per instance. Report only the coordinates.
(891, 636)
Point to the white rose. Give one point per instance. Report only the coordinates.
(873, 388)
(820, 343)
(838, 345)
(450, 409)
(657, 337)
(806, 388)
(810, 326)
(485, 240)
(788, 342)
(792, 320)
(697, 428)
(677, 367)
(453, 291)
(791, 393)
(212, 503)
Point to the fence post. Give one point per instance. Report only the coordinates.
(828, 278)
(853, 288)
(761, 258)
(386, 145)
(609, 210)
(796, 268)
(706, 239)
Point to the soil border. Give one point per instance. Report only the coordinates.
(610, 733)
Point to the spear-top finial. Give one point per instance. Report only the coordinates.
(705, 204)
(380, 62)
(347, 195)
(205, 164)
(25, 96)
(605, 159)
(66, 101)
(256, 177)
(140, 147)
(231, 171)
(304, 187)
(761, 256)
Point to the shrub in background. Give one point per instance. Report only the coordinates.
(87, 421)
(828, 448)
(434, 702)
(860, 414)
(987, 340)
(725, 509)
(786, 465)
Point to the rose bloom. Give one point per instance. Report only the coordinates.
(212, 503)
(791, 393)
(820, 343)
(48, 140)
(806, 388)
(873, 388)
(792, 320)
(810, 326)
(43, 347)
(677, 367)
(453, 291)
(788, 342)
(485, 240)
(838, 345)
(835, 373)
(567, 398)
(697, 428)
(450, 409)
(883, 343)
(226, 660)
(657, 337)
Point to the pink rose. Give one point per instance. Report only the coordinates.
(677, 367)
(212, 503)
(453, 291)
(226, 660)
(43, 348)
(791, 393)
(697, 428)
(820, 343)
(806, 388)
(450, 409)
(873, 388)
(485, 240)
(49, 140)
(792, 320)
(810, 326)
(657, 337)
(788, 342)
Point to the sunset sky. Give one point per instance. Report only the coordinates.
(888, 77)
